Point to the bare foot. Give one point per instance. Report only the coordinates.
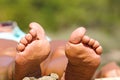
(32, 50)
(83, 55)
(109, 70)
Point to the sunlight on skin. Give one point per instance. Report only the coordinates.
(73, 54)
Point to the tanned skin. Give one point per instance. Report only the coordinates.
(74, 59)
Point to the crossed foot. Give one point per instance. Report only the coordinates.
(82, 53)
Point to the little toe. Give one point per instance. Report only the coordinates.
(77, 35)
(28, 37)
(91, 42)
(85, 39)
(24, 41)
(99, 50)
(20, 47)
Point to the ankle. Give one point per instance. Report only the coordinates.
(27, 70)
(79, 72)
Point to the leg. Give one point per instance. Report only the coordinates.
(83, 55)
(8, 47)
(57, 61)
(31, 53)
(5, 63)
(7, 57)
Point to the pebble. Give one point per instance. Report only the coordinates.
(53, 76)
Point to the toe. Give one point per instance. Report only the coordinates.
(28, 37)
(99, 50)
(96, 44)
(40, 31)
(85, 39)
(24, 41)
(33, 32)
(20, 47)
(91, 42)
(77, 35)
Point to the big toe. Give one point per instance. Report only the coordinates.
(38, 28)
(77, 35)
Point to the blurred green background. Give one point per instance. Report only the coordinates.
(60, 17)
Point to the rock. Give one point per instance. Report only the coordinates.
(53, 76)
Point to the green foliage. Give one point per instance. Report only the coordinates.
(56, 14)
